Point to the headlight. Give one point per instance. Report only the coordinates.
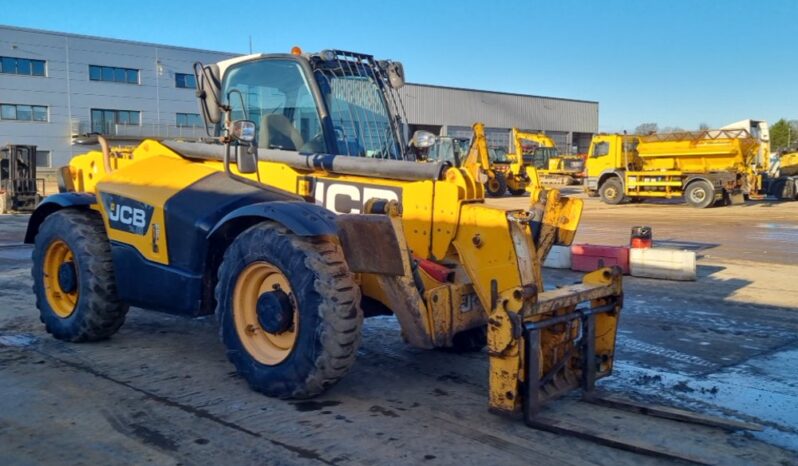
(423, 139)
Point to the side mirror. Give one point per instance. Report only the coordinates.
(208, 90)
(423, 139)
(243, 131)
(247, 159)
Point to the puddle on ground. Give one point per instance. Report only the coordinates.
(780, 231)
(16, 252)
(19, 340)
(762, 388)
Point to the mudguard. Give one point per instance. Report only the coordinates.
(355, 232)
(52, 204)
(303, 219)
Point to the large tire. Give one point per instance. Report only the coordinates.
(783, 189)
(517, 191)
(324, 317)
(699, 194)
(611, 191)
(496, 186)
(73, 278)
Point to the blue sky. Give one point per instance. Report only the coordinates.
(677, 62)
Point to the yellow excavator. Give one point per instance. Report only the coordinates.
(541, 152)
(300, 215)
(498, 172)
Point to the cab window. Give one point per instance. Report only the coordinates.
(275, 95)
(601, 148)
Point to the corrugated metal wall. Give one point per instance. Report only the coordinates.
(436, 105)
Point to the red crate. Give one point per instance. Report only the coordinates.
(589, 257)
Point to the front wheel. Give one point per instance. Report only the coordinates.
(496, 186)
(288, 311)
(700, 194)
(611, 191)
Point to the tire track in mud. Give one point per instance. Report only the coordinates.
(457, 421)
(631, 344)
(201, 413)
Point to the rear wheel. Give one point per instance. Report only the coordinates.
(700, 194)
(73, 278)
(288, 311)
(496, 186)
(611, 191)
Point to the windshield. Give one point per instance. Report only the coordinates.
(498, 155)
(541, 156)
(452, 150)
(275, 95)
(360, 118)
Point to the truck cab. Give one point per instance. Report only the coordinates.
(608, 156)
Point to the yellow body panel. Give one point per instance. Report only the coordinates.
(699, 155)
(166, 175)
(789, 164)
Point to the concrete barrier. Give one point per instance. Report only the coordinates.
(589, 257)
(669, 264)
(559, 258)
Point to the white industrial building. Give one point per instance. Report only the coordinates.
(54, 86)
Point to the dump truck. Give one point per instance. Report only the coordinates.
(706, 168)
(781, 178)
(20, 189)
(770, 174)
(540, 151)
(301, 214)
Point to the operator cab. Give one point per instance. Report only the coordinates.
(333, 102)
(449, 150)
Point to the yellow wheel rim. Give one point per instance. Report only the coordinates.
(62, 303)
(256, 279)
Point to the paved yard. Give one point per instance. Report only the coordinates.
(162, 392)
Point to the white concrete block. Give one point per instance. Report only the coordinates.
(559, 258)
(669, 264)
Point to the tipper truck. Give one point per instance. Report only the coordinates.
(772, 175)
(705, 167)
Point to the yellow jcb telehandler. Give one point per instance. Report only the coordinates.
(301, 215)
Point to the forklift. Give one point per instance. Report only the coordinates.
(18, 183)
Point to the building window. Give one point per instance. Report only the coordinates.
(43, 159)
(113, 74)
(189, 120)
(103, 121)
(23, 112)
(25, 66)
(186, 81)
